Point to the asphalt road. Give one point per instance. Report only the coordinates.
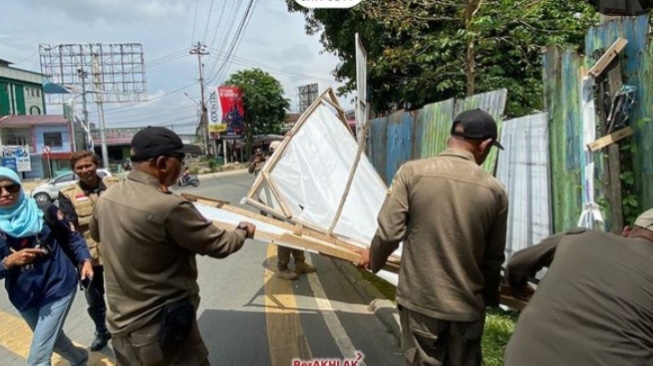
(248, 316)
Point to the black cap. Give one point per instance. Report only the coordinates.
(478, 125)
(152, 142)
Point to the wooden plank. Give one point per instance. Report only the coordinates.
(611, 181)
(509, 298)
(610, 139)
(350, 180)
(300, 230)
(608, 57)
(275, 192)
(615, 84)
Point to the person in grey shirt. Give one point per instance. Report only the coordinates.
(594, 305)
(451, 216)
(150, 240)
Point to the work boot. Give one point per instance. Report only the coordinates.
(303, 267)
(101, 340)
(287, 274)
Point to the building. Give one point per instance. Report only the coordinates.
(21, 91)
(33, 143)
(118, 143)
(46, 139)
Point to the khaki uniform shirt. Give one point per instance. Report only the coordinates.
(451, 216)
(150, 240)
(255, 167)
(593, 307)
(77, 203)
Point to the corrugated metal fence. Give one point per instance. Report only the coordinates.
(404, 136)
(562, 84)
(530, 164)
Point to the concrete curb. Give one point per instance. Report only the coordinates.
(384, 309)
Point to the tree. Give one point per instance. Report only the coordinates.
(263, 101)
(425, 51)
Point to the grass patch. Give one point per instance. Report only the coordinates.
(386, 288)
(499, 324)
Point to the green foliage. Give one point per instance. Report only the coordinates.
(629, 201)
(499, 326)
(263, 100)
(212, 164)
(421, 52)
(194, 170)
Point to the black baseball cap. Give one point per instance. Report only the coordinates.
(478, 125)
(152, 142)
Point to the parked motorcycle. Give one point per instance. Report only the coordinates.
(190, 180)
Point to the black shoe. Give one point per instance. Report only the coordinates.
(100, 341)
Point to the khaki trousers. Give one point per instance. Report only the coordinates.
(141, 348)
(283, 256)
(434, 342)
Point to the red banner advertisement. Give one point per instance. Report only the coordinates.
(233, 112)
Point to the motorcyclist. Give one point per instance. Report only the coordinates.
(185, 175)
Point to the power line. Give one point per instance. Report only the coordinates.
(236, 40)
(155, 98)
(217, 25)
(271, 69)
(216, 70)
(192, 37)
(208, 21)
(163, 60)
(226, 35)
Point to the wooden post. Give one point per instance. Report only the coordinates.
(350, 180)
(612, 180)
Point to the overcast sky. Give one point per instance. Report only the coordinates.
(274, 40)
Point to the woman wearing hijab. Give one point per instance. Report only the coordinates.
(40, 278)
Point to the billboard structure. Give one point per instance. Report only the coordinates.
(116, 70)
(226, 112)
(307, 95)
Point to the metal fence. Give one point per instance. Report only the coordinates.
(403, 136)
(543, 150)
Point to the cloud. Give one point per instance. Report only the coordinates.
(113, 11)
(274, 40)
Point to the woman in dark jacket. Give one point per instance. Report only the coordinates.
(40, 276)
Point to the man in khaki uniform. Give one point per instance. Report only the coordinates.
(77, 203)
(594, 306)
(283, 253)
(150, 238)
(451, 216)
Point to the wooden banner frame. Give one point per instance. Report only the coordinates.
(265, 180)
(328, 245)
(299, 235)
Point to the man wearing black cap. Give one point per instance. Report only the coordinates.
(451, 216)
(594, 306)
(150, 268)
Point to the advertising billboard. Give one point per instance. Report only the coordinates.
(226, 112)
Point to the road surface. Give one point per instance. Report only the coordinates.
(248, 316)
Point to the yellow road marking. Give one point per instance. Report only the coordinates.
(16, 337)
(284, 331)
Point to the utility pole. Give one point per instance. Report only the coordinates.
(200, 50)
(99, 99)
(82, 75)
